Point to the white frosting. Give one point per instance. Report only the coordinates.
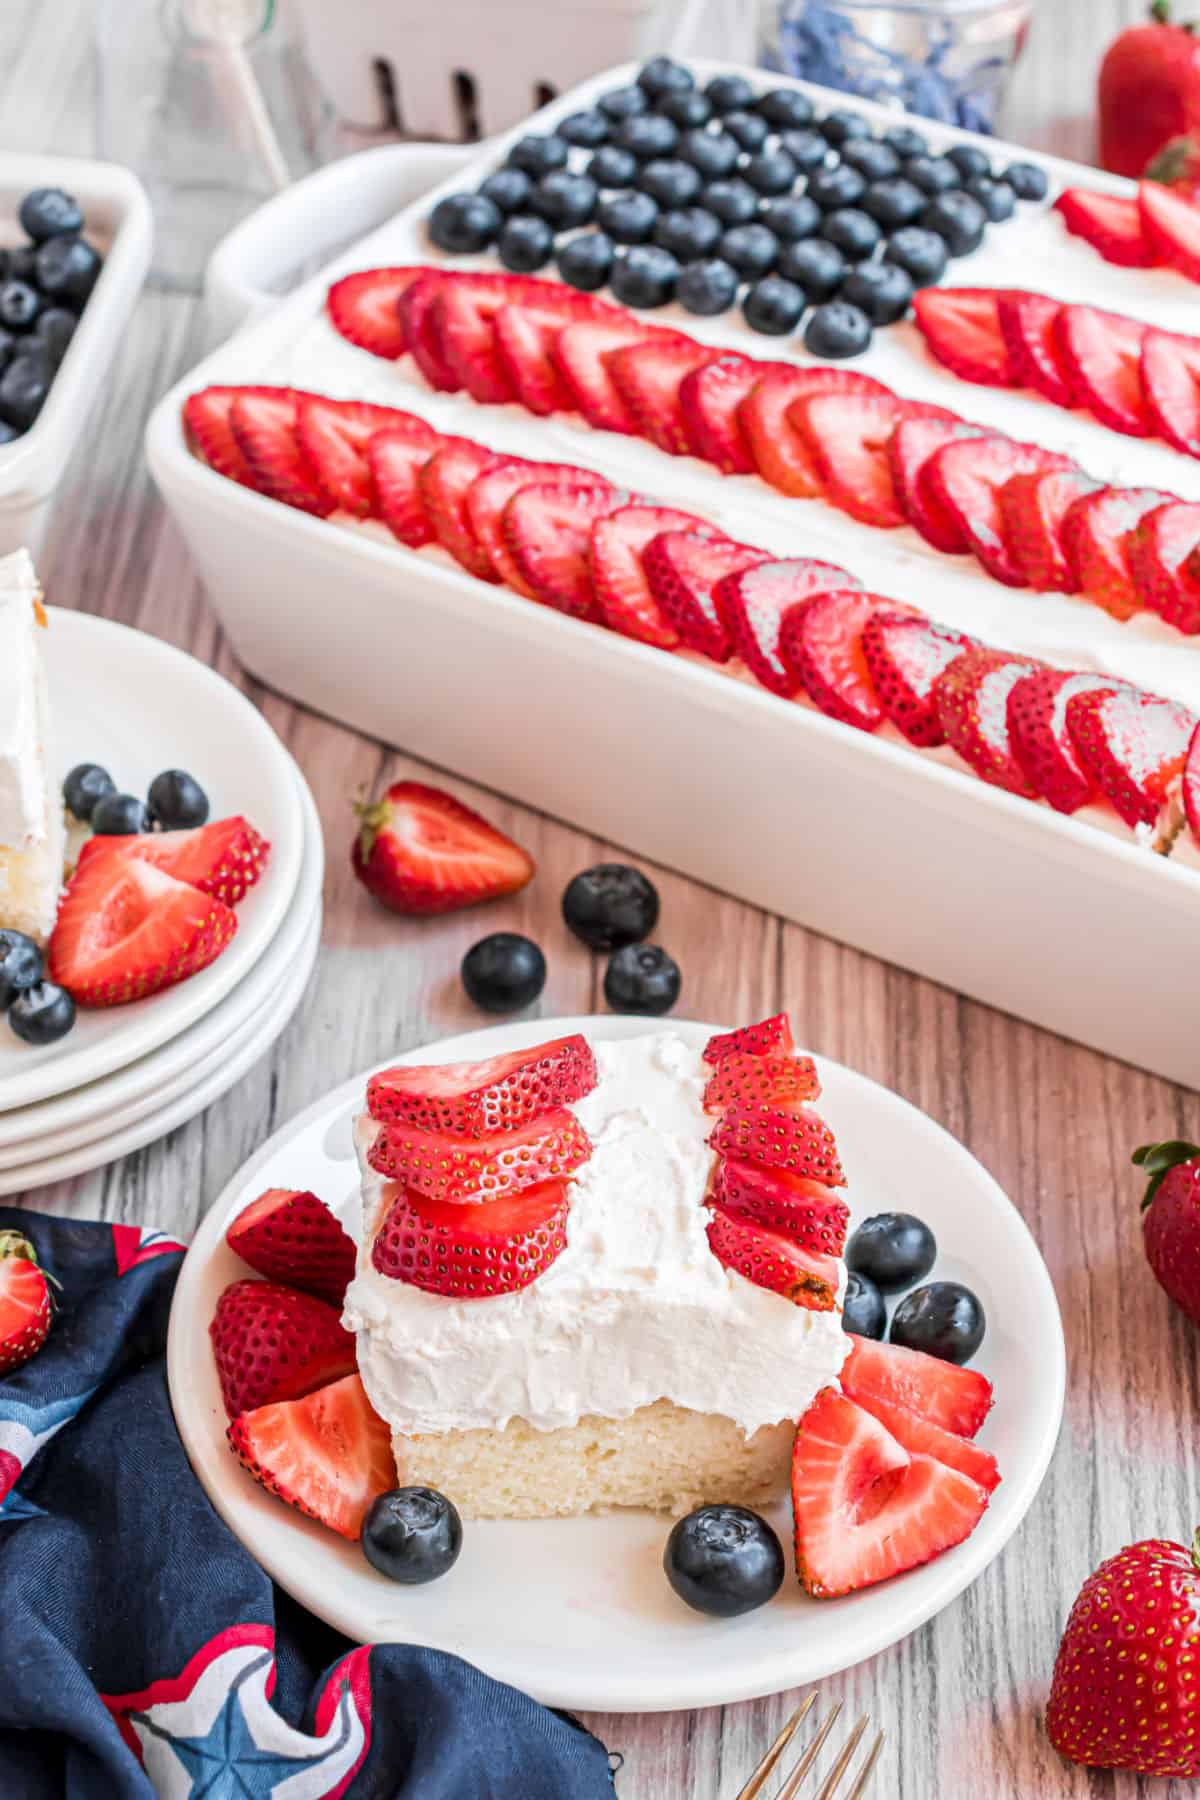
(635, 1309)
(22, 752)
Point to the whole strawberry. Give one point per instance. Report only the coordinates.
(24, 1301)
(419, 850)
(1149, 90)
(1171, 1220)
(1124, 1689)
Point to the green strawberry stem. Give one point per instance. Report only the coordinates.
(374, 815)
(15, 1243)
(1159, 1159)
(1160, 12)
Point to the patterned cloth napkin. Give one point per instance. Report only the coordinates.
(144, 1652)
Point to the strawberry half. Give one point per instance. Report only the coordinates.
(1133, 745)
(547, 531)
(479, 1099)
(821, 641)
(580, 354)
(911, 448)
(770, 1037)
(709, 398)
(1110, 223)
(224, 859)
(422, 331)
(1032, 509)
(865, 1509)
(967, 478)
(621, 587)
(333, 436)
(25, 1307)
(961, 326)
(771, 1260)
(524, 345)
(1103, 352)
(1041, 741)
(1097, 536)
(847, 439)
(365, 309)
(955, 1399)
(1161, 550)
(743, 1079)
(209, 428)
(329, 1455)
(754, 602)
(126, 929)
(1171, 223)
(905, 656)
(684, 569)
(920, 1437)
(1171, 383)
(271, 1342)
(469, 1252)
(264, 425)
(420, 850)
(290, 1236)
(473, 1171)
(395, 458)
(971, 695)
(490, 493)
(444, 482)
(648, 378)
(778, 1137)
(778, 451)
(811, 1215)
(1029, 323)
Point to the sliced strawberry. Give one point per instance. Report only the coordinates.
(709, 397)
(811, 1215)
(1032, 509)
(1171, 223)
(771, 1260)
(770, 1037)
(821, 641)
(1110, 223)
(443, 483)
(1030, 326)
(684, 569)
(547, 533)
(865, 1509)
(478, 1099)
(264, 425)
(468, 1252)
(911, 448)
(422, 330)
(329, 1455)
(1161, 547)
(474, 1170)
(271, 1342)
(463, 319)
(754, 602)
(922, 1438)
(847, 438)
(25, 1307)
(225, 858)
(961, 326)
(419, 850)
(744, 1079)
(967, 478)
(779, 1137)
(395, 458)
(126, 929)
(490, 493)
(333, 436)
(648, 378)
(778, 451)
(209, 426)
(622, 590)
(524, 343)
(1103, 352)
(1097, 535)
(365, 308)
(905, 656)
(580, 353)
(1133, 745)
(971, 696)
(1171, 383)
(955, 1399)
(290, 1236)
(1191, 786)
(1041, 741)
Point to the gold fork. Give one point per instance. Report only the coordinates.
(830, 1788)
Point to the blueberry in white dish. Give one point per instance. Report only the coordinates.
(20, 965)
(538, 155)
(67, 269)
(932, 174)
(807, 149)
(836, 187)
(689, 233)
(504, 972)
(750, 129)
(84, 785)
(586, 130)
(863, 1309)
(792, 218)
(770, 172)
(42, 1014)
(610, 905)
(646, 136)
(642, 978)
(509, 189)
(838, 127)
(1027, 181)
(564, 200)
(708, 287)
(882, 290)
(894, 203)
(120, 815)
(921, 254)
(176, 800)
(905, 141)
(20, 304)
(612, 167)
(729, 93)
(996, 197)
(750, 249)
(969, 160)
(670, 181)
(412, 1535)
(525, 244)
(878, 162)
(786, 108)
(645, 275)
(20, 264)
(663, 75)
(944, 1319)
(892, 1249)
(713, 153)
(627, 218)
(724, 1560)
(49, 212)
(814, 265)
(623, 103)
(25, 385)
(464, 223)
(585, 262)
(854, 232)
(687, 110)
(957, 219)
(733, 202)
(774, 306)
(837, 330)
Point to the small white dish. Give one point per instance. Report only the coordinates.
(577, 1611)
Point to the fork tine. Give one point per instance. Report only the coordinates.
(792, 1787)
(758, 1779)
(829, 1786)
(864, 1774)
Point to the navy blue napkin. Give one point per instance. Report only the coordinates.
(144, 1652)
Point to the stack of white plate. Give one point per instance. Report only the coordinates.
(129, 1074)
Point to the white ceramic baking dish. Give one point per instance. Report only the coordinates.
(1043, 916)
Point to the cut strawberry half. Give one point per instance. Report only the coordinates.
(684, 569)
(264, 425)
(333, 436)
(422, 330)
(524, 342)
(419, 850)
(1171, 223)
(26, 1312)
(1030, 326)
(811, 1215)
(469, 1252)
(444, 482)
(329, 1455)
(648, 377)
(743, 1079)
(126, 929)
(271, 1342)
(770, 1037)
(1103, 352)
(847, 438)
(623, 593)
(479, 1099)
(475, 1170)
(209, 427)
(1032, 509)
(225, 859)
(865, 1509)
(1133, 745)
(922, 1438)
(777, 449)
(709, 398)
(754, 602)
(547, 532)
(971, 695)
(967, 478)
(905, 656)
(953, 1398)
(1110, 223)
(1097, 535)
(395, 458)
(961, 326)
(1191, 786)
(821, 642)
(580, 354)
(1171, 383)
(771, 1260)
(778, 1137)
(1161, 547)
(290, 1236)
(365, 309)
(911, 448)
(1041, 741)
(490, 493)
(463, 319)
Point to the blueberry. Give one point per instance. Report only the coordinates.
(412, 1534)
(689, 234)
(25, 384)
(642, 978)
(836, 330)
(645, 276)
(944, 1319)
(1027, 181)
(663, 75)
(892, 1249)
(905, 141)
(750, 130)
(669, 181)
(771, 172)
(786, 108)
(733, 202)
(508, 189)
(86, 783)
(807, 149)
(687, 110)
(612, 168)
(855, 233)
(585, 262)
(525, 244)
(464, 223)
(792, 219)
(20, 966)
(8, 343)
(177, 801)
(958, 219)
(564, 200)
(42, 1014)
(707, 288)
(730, 93)
(839, 127)
(20, 304)
(538, 155)
(67, 269)
(814, 265)
(724, 1560)
(751, 249)
(881, 289)
(49, 212)
(610, 905)
(504, 972)
(712, 152)
(623, 103)
(878, 162)
(893, 203)
(120, 815)
(647, 137)
(774, 306)
(21, 264)
(836, 187)
(921, 254)
(586, 129)
(627, 218)
(996, 197)
(969, 160)
(932, 174)
(863, 1310)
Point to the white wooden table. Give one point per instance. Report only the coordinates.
(962, 1698)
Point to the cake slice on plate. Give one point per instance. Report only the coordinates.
(31, 815)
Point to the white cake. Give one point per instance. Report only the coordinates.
(31, 814)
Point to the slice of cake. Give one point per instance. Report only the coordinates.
(31, 815)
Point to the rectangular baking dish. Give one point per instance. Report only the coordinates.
(1046, 917)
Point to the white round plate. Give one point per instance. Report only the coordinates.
(117, 1100)
(137, 705)
(577, 1611)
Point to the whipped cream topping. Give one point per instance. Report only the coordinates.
(635, 1309)
(22, 780)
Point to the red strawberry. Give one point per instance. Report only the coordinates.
(272, 1342)
(967, 478)
(365, 308)
(962, 328)
(479, 1099)
(443, 483)
(291, 1237)
(580, 353)
(469, 1252)
(955, 1399)
(126, 929)
(1110, 223)
(1032, 509)
(1097, 535)
(771, 1260)
(1149, 89)
(1041, 741)
(25, 1309)
(1171, 223)
(395, 458)
(1103, 352)
(971, 695)
(524, 344)
(847, 438)
(462, 319)
(490, 493)
(1139, 1611)
(780, 1137)
(744, 1079)
(224, 859)
(813, 1216)
(864, 1508)
(921, 1438)
(1191, 785)
(422, 330)
(264, 425)
(333, 436)
(547, 532)
(648, 378)
(1133, 745)
(1161, 551)
(474, 1170)
(770, 1037)
(754, 602)
(709, 398)
(209, 427)
(905, 656)
(1171, 1220)
(1029, 323)
(684, 569)
(778, 451)
(1171, 383)
(419, 850)
(329, 1454)
(821, 641)
(621, 587)
(911, 448)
